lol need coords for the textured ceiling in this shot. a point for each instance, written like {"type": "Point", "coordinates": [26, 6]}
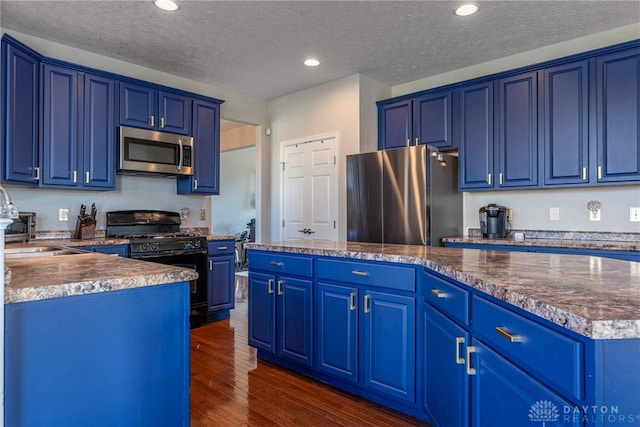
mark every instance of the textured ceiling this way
{"type": "Point", "coordinates": [257, 47]}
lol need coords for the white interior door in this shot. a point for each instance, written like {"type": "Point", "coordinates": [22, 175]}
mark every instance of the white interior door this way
{"type": "Point", "coordinates": [310, 190]}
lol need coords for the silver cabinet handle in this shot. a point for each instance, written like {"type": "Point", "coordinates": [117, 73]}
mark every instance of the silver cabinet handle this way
{"type": "Point", "coordinates": [359, 273]}
{"type": "Point", "coordinates": [417, 141]}
{"type": "Point", "coordinates": [152, 121]}
{"type": "Point", "coordinates": [210, 265]}
{"type": "Point", "coordinates": [408, 142]}
{"type": "Point", "coordinates": [270, 286]}
{"type": "Point", "coordinates": [502, 331]}
{"type": "Point", "coordinates": [367, 299]}
{"type": "Point", "coordinates": [195, 184]}
{"type": "Point", "coordinates": [599, 172]}
{"type": "Point", "coordinates": [459, 360]}
{"type": "Point", "coordinates": [280, 287]}
{"type": "Point", "coordinates": [352, 301]}
{"type": "Point", "coordinates": [87, 178]}
{"type": "Point", "coordinates": [276, 264]}
{"type": "Point", "coordinates": [75, 177]}
{"type": "Point", "coordinates": [222, 248]}
{"type": "Point", "coordinates": [500, 176]}
{"type": "Point", "coordinates": [162, 122]}
{"type": "Point", "coordinates": [584, 174]}
{"type": "Point", "coordinates": [470, 370]}
{"type": "Point", "coordinates": [37, 171]}
{"type": "Point", "coordinates": [438, 294]}
{"type": "Point", "coordinates": [489, 179]}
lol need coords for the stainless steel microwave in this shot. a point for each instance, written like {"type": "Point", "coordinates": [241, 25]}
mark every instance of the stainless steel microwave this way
{"type": "Point", "coordinates": [22, 228]}
{"type": "Point", "coordinates": [143, 151]}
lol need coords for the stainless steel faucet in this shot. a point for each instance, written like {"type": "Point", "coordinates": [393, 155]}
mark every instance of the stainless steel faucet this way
{"type": "Point", "coordinates": [7, 209]}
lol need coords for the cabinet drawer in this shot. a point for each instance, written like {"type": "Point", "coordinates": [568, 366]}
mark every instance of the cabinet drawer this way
{"type": "Point", "coordinates": [552, 357]}
{"type": "Point", "coordinates": [366, 273]}
{"type": "Point", "coordinates": [221, 247]}
{"type": "Point", "coordinates": [280, 263]}
{"type": "Point", "coordinates": [447, 297]}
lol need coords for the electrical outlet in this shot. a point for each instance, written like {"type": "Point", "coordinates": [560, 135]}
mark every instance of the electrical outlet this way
{"type": "Point", "coordinates": [509, 214]}
{"type": "Point", "coordinates": [554, 214]}
{"type": "Point", "coordinates": [203, 214]}
{"type": "Point", "coordinates": [63, 214]}
{"type": "Point", "coordinates": [594, 215]}
{"type": "Point", "coordinates": [634, 214]}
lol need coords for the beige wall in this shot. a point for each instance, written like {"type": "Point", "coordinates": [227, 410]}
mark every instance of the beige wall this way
{"type": "Point", "coordinates": [239, 137]}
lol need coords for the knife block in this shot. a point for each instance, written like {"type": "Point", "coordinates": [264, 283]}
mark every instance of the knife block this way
{"type": "Point", "coordinates": [85, 231]}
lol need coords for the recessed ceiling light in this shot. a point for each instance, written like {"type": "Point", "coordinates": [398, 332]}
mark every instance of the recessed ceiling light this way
{"type": "Point", "coordinates": [311, 62]}
{"type": "Point", "coordinates": [466, 9]}
{"type": "Point", "coordinates": [167, 5]}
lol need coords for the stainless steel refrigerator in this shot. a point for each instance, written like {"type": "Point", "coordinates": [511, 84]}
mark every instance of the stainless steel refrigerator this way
{"type": "Point", "coordinates": [405, 195]}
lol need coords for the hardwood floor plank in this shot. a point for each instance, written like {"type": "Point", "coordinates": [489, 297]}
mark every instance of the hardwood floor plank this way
{"type": "Point", "coordinates": [231, 387]}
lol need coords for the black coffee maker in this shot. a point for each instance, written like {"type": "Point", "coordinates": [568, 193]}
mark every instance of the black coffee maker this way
{"type": "Point", "coordinates": [493, 221]}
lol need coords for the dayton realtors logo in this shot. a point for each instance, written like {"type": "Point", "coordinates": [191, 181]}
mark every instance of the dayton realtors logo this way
{"type": "Point", "coordinates": [544, 411]}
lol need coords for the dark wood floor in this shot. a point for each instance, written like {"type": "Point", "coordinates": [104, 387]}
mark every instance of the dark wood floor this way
{"type": "Point", "coordinates": [230, 387]}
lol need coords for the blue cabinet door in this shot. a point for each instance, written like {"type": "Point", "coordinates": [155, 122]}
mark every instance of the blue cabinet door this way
{"type": "Point", "coordinates": [337, 331]}
{"type": "Point", "coordinates": [618, 117]}
{"type": "Point", "coordinates": [60, 111]}
{"type": "Point", "coordinates": [476, 137]}
{"type": "Point", "coordinates": [518, 130]}
{"type": "Point", "coordinates": [503, 395]}
{"type": "Point", "coordinates": [175, 113]}
{"type": "Point", "coordinates": [388, 355]}
{"type": "Point", "coordinates": [20, 94]}
{"type": "Point", "coordinates": [432, 120]}
{"type": "Point", "coordinates": [295, 320]}
{"type": "Point", "coordinates": [395, 125]}
{"type": "Point", "coordinates": [221, 284]}
{"type": "Point", "coordinates": [138, 106]}
{"type": "Point", "coordinates": [446, 382]}
{"type": "Point", "coordinates": [206, 140]}
{"type": "Point", "coordinates": [566, 121]}
{"type": "Point", "coordinates": [98, 146]}
{"type": "Point", "coordinates": [262, 326]}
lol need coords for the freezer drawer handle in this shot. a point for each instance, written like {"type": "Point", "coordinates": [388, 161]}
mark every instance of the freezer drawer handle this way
{"type": "Point", "coordinates": [360, 273]}
{"type": "Point", "coordinates": [502, 331]}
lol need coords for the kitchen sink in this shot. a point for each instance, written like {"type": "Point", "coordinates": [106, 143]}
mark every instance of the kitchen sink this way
{"type": "Point", "coordinates": [38, 251]}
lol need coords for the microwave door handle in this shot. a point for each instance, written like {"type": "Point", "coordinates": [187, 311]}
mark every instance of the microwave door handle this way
{"type": "Point", "coordinates": [180, 159]}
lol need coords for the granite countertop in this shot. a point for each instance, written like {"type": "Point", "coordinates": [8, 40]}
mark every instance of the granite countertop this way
{"type": "Point", "coordinates": [558, 239]}
{"type": "Point", "coordinates": [40, 278]}
{"type": "Point", "coordinates": [593, 296]}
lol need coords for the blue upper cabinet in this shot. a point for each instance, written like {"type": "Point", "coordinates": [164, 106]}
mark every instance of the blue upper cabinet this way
{"type": "Point", "coordinates": [425, 119]}
{"type": "Point", "coordinates": [566, 124]}
{"type": "Point", "coordinates": [206, 140]}
{"type": "Point", "coordinates": [60, 112]}
{"type": "Point", "coordinates": [618, 117]}
{"type": "Point", "coordinates": [476, 123]}
{"type": "Point", "coordinates": [78, 130]}
{"type": "Point", "coordinates": [20, 93]}
{"type": "Point", "coordinates": [98, 146]}
{"type": "Point", "coordinates": [517, 99]}
{"type": "Point", "coordinates": [395, 124]}
{"type": "Point", "coordinates": [148, 108]}
{"type": "Point", "coordinates": [432, 116]}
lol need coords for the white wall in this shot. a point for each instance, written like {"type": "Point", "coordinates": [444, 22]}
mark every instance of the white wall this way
{"type": "Point", "coordinates": [531, 208]}
{"type": "Point", "coordinates": [235, 206]}
{"type": "Point", "coordinates": [324, 109]}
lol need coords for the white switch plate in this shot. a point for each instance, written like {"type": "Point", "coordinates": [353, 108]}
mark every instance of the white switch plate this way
{"type": "Point", "coordinates": [634, 214]}
{"type": "Point", "coordinates": [594, 215]}
{"type": "Point", "coordinates": [554, 214]}
{"type": "Point", "coordinates": [63, 215]}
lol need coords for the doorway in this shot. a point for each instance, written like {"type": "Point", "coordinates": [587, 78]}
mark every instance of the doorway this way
{"type": "Point", "coordinates": [309, 186]}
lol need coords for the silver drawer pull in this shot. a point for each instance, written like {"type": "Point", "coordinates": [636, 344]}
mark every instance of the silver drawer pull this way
{"type": "Point", "coordinates": [438, 294]}
{"type": "Point", "coordinates": [459, 360]}
{"type": "Point", "coordinates": [352, 301]}
{"type": "Point", "coordinates": [359, 273]}
{"type": "Point", "coordinates": [222, 248]}
{"type": "Point", "coordinates": [276, 264]}
{"type": "Point", "coordinates": [470, 371]}
{"type": "Point", "coordinates": [502, 331]}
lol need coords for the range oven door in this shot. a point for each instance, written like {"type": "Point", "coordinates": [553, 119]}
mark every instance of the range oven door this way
{"type": "Point", "coordinates": [198, 293]}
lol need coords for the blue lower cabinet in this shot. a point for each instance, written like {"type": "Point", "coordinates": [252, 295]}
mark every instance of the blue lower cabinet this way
{"type": "Point", "coordinates": [503, 395]}
{"type": "Point", "coordinates": [446, 397]}
{"type": "Point", "coordinates": [389, 344]}
{"type": "Point", "coordinates": [220, 279]}
{"type": "Point", "coordinates": [337, 331]}
{"type": "Point", "coordinates": [294, 320]}
{"type": "Point", "coordinates": [118, 358]}
{"type": "Point", "coordinates": [262, 315]}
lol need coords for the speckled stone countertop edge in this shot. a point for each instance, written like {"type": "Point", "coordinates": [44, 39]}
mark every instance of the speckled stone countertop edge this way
{"type": "Point", "coordinates": [594, 329]}
{"type": "Point", "coordinates": [551, 243]}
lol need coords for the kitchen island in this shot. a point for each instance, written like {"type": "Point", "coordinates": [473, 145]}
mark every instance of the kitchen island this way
{"type": "Point", "coordinates": [486, 336]}
{"type": "Point", "coordinates": [93, 339]}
